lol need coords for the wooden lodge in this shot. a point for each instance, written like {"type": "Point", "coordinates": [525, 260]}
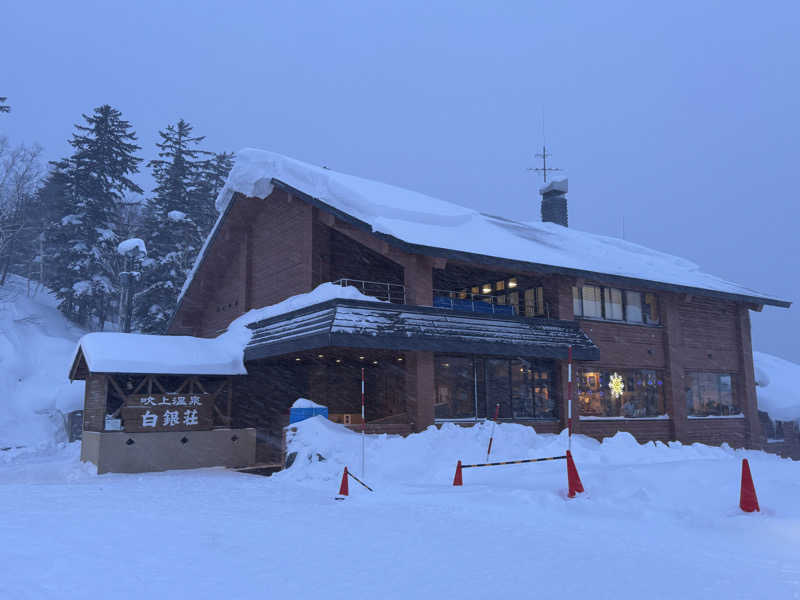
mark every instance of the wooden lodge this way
{"type": "Point", "coordinates": [476, 314]}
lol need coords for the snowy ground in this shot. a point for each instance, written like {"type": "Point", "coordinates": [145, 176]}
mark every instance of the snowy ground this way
{"type": "Point", "coordinates": [655, 522]}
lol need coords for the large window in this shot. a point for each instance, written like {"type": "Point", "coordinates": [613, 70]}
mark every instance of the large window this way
{"type": "Point", "coordinates": [613, 304]}
{"type": "Point", "coordinates": [711, 394]}
{"type": "Point", "coordinates": [630, 393]}
{"type": "Point", "coordinates": [519, 387]}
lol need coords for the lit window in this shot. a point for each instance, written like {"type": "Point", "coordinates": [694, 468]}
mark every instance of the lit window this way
{"type": "Point", "coordinates": [487, 288]}
{"type": "Point", "coordinates": [651, 316]}
{"type": "Point", "coordinates": [641, 393]}
{"type": "Point", "coordinates": [500, 286]}
{"type": "Point", "coordinates": [711, 394]}
{"type": "Point", "coordinates": [512, 283]}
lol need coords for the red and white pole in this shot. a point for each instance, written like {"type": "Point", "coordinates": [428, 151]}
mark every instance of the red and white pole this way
{"type": "Point", "coordinates": [569, 397]}
{"type": "Point", "coordinates": [363, 424]}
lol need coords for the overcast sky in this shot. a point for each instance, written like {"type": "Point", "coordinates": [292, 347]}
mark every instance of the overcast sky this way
{"type": "Point", "coordinates": [683, 118]}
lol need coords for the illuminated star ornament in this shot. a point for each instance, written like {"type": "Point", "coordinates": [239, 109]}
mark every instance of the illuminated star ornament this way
{"type": "Point", "coordinates": [616, 385]}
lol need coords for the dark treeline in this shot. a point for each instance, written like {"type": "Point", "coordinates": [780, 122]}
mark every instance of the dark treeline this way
{"type": "Point", "coordinates": [76, 225]}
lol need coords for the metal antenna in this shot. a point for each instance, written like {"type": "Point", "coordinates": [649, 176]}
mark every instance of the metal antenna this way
{"type": "Point", "coordinates": [544, 155]}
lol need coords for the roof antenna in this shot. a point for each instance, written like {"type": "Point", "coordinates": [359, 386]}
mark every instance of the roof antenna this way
{"type": "Point", "coordinates": [544, 155]}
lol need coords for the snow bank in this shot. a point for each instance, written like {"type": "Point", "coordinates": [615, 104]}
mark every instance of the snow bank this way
{"type": "Point", "coordinates": [776, 386]}
{"type": "Point", "coordinates": [36, 349]}
{"type": "Point", "coordinates": [421, 219]}
{"type": "Point", "coordinates": [429, 457]}
{"type": "Point", "coordinates": [111, 352]}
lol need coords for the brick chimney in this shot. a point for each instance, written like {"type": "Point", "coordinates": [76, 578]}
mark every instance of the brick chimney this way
{"type": "Point", "coordinates": [554, 202]}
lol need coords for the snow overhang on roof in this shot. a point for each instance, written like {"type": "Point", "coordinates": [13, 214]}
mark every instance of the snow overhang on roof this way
{"type": "Point", "coordinates": [424, 225]}
{"type": "Point", "coordinates": [359, 324]}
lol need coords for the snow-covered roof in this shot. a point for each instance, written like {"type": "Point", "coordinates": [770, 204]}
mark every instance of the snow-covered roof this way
{"type": "Point", "coordinates": [111, 352]}
{"type": "Point", "coordinates": [418, 219]}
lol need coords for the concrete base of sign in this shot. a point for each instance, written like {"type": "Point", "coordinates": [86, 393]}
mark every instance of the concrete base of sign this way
{"type": "Point", "coordinates": [121, 452]}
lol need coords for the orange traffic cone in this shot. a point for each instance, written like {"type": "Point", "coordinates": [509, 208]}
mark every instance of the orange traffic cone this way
{"type": "Point", "coordinates": [457, 479]}
{"type": "Point", "coordinates": [344, 489]}
{"type": "Point", "coordinates": [748, 501]}
{"type": "Point", "coordinates": [573, 479]}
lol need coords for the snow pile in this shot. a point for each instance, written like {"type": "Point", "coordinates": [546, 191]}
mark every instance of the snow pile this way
{"type": "Point", "coordinates": [777, 386]}
{"type": "Point", "coordinates": [111, 352]}
{"type": "Point", "coordinates": [420, 219]}
{"type": "Point", "coordinates": [36, 348]}
{"type": "Point", "coordinates": [131, 244]}
{"type": "Point", "coordinates": [430, 457]}
{"type": "Point", "coordinates": [306, 403]}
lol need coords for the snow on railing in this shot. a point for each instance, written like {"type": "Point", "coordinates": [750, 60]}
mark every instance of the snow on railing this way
{"type": "Point", "coordinates": [389, 292]}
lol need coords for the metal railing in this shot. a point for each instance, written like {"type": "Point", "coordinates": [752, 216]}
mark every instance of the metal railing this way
{"type": "Point", "coordinates": [389, 292]}
{"type": "Point", "coordinates": [485, 303]}
{"type": "Point", "coordinates": [469, 302]}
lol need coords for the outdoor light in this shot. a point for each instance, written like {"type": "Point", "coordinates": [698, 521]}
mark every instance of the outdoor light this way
{"type": "Point", "coordinates": [374, 362]}
{"type": "Point", "coordinates": [338, 360]}
{"type": "Point", "coordinates": [512, 283]}
{"type": "Point", "coordinates": [320, 356]}
{"type": "Point", "coordinates": [487, 288]}
{"type": "Point", "coordinates": [298, 359]}
{"type": "Point", "coordinates": [360, 358]}
{"type": "Point", "coordinates": [399, 359]}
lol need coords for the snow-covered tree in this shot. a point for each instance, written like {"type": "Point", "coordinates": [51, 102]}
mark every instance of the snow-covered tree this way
{"type": "Point", "coordinates": [93, 180]}
{"type": "Point", "coordinates": [20, 215]}
{"type": "Point", "coordinates": [213, 174]}
{"type": "Point", "coordinates": [3, 106]}
{"type": "Point", "coordinates": [171, 224]}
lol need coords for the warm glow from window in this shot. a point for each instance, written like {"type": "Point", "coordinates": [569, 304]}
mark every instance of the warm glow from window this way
{"type": "Point", "coordinates": [512, 283]}
{"type": "Point", "coordinates": [487, 288]}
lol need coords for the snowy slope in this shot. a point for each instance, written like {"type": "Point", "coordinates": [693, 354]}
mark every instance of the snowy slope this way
{"type": "Point", "coordinates": [36, 348]}
{"type": "Point", "coordinates": [776, 386]}
{"type": "Point", "coordinates": [655, 522]}
{"type": "Point", "coordinates": [420, 219]}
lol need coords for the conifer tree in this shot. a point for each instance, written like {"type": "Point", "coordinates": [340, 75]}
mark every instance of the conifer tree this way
{"type": "Point", "coordinates": [171, 227]}
{"type": "Point", "coordinates": [3, 106]}
{"type": "Point", "coordinates": [93, 180]}
{"type": "Point", "coordinates": [214, 172]}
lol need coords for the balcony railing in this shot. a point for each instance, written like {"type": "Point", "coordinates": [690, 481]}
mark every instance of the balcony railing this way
{"type": "Point", "coordinates": [389, 292]}
{"type": "Point", "coordinates": [468, 302]}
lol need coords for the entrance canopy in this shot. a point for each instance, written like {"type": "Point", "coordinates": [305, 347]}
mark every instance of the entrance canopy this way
{"type": "Point", "coordinates": [362, 324]}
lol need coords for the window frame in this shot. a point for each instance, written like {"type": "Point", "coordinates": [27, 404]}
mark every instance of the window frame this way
{"type": "Point", "coordinates": [735, 404]}
{"type": "Point", "coordinates": [578, 305]}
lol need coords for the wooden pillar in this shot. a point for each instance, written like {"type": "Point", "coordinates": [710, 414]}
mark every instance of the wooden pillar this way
{"type": "Point", "coordinates": [94, 402]}
{"type": "Point", "coordinates": [746, 382]}
{"type": "Point", "coordinates": [420, 389]}
{"type": "Point", "coordinates": [675, 381]}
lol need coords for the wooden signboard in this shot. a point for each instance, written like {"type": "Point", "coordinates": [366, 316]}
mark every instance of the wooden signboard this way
{"type": "Point", "coordinates": [168, 412]}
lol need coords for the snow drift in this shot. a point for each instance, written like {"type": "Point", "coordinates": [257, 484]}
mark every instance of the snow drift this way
{"type": "Point", "coordinates": [36, 348]}
{"type": "Point", "coordinates": [776, 386]}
